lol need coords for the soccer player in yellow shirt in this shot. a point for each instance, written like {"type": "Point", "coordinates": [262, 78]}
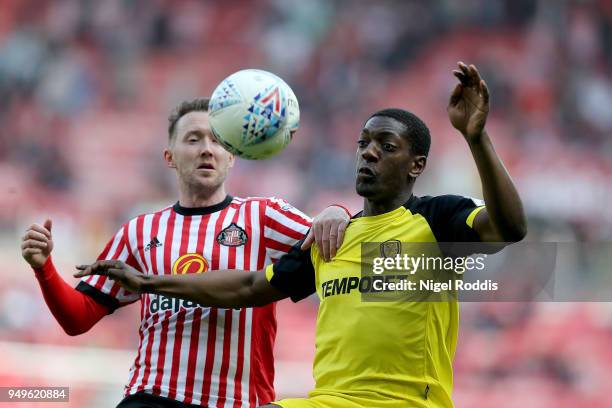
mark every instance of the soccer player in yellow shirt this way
{"type": "Point", "coordinates": [375, 354]}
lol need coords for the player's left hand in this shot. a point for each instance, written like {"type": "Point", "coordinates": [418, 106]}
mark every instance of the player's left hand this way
{"type": "Point", "coordinates": [468, 107]}
{"type": "Point", "coordinates": [327, 231]}
{"type": "Point", "coordinates": [126, 276]}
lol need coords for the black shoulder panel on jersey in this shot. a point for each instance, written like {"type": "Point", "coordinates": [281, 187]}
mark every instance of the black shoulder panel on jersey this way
{"type": "Point", "coordinates": [294, 274]}
{"type": "Point", "coordinates": [446, 216]}
{"type": "Point", "coordinates": [99, 296]}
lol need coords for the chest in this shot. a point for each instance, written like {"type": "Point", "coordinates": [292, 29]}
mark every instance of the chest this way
{"type": "Point", "coordinates": [195, 244]}
{"type": "Point", "coordinates": [350, 273]}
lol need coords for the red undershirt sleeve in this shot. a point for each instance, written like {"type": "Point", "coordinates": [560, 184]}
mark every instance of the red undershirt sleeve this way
{"type": "Point", "coordinates": [75, 311]}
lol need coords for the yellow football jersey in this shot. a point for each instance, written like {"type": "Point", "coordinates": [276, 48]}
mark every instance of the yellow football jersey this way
{"type": "Point", "coordinates": [379, 353]}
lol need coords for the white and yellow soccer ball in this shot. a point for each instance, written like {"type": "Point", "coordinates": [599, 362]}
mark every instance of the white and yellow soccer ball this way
{"type": "Point", "coordinates": [253, 114]}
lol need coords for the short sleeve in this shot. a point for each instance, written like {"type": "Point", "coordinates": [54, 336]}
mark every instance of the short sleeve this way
{"type": "Point", "coordinates": [106, 291]}
{"type": "Point", "coordinates": [293, 274]}
{"type": "Point", "coordinates": [451, 217]}
{"type": "Point", "coordinates": [284, 226]}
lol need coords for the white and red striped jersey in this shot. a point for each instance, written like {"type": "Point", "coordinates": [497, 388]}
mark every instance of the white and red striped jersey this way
{"type": "Point", "coordinates": [202, 355]}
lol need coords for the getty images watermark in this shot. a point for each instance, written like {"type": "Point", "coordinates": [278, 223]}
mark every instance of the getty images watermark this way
{"type": "Point", "coordinates": [396, 271]}
{"type": "Point", "coordinates": [405, 267]}
{"type": "Point", "coordinates": [476, 272]}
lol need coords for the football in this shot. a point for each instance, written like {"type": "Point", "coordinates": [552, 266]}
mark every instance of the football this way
{"type": "Point", "coordinates": [254, 113]}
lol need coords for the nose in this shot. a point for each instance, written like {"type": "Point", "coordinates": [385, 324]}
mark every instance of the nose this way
{"type": "Point", "coordinates": [206, 146]}
{"type": "Point", "coordinates": [370, 154]}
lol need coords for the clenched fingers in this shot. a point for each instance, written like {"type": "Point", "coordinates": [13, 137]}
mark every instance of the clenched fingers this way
{"type": "Point", "coordinates": [35, 235]}
{"type": "Point", "coordinates": [32, 243]}
{"type": "Point", "coordinates": [40, 229]}
{"type": "Point", "coordinates": [31, 251]}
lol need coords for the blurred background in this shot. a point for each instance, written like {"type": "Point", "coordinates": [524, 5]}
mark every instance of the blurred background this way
{"type": "Point", "coordinates": [86, 87]}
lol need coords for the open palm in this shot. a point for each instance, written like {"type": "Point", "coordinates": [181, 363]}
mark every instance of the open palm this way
{"type": "Point", "coordinates": [468, 107]}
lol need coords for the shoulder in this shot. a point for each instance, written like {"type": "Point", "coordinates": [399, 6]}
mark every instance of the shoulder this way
{"type": "Point", "coordinates": [449, 216]}
{"type": "Point", "coordinates": [270, 201]}
{"type": "Point", "coordinates": [262, 202]}
{"type": "Point", "coordinates": [259, 200]}
{"type": "Point", "coordinates": [273, 208]}
{"type": "Point", "coordinates": [273, 203]}
{"type": "Point", "coordinates": [270, 206]}
{"type": "Point", "coordinates": [442, 204]}
{"type": "Point", "coordinates": [147, 217]}
{"type": "Point", "coordinates": [151, 214]}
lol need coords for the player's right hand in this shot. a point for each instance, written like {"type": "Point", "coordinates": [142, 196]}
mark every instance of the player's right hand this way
{"type": "Point", "coordinates": [37, 244]}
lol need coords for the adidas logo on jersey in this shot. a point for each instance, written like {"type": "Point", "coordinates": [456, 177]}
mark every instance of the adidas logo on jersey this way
{"type": "Point", "coordinates": [153, 244]}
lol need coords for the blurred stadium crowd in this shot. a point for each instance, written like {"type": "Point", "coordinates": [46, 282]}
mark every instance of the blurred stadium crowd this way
{"type": "Point", "coordinates": [86, 87]}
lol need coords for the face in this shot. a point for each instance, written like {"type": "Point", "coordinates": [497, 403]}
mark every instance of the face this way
{"type": "Point", "coordinates": [200, 161]}
{"type": "Point", "coordinates": [385, 163]}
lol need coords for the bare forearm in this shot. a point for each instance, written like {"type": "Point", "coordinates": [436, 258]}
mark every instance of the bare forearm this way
{"type": "Point", "coordinates": [226, 288]}
{"type": "Point", "coordinates": [503, 202]}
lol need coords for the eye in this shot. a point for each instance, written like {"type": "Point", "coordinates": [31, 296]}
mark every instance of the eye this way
{"type": "Point", "coordinates": [389, 147]}
{"type": "Point", "coordinates": [362, 144]}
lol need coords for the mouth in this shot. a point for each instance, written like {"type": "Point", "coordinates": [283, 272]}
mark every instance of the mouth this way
{"type": "Point", "coordinates": [206, 166]}
{"type": "Point", "coordinates": [366, 171]}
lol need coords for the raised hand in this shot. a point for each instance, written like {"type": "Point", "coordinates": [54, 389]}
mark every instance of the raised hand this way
{"type": "Point", "coordinates": [468, 107]}
{"type": "Point", "coordinates": [37, 244]}
{"type": "Point", "coordinates": [126, 276]}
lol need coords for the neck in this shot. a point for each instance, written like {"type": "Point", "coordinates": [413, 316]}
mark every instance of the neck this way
{"type": "Point", "coordinates": [376, 207]}
{"type": "Point", "coordinates": [192, 198]}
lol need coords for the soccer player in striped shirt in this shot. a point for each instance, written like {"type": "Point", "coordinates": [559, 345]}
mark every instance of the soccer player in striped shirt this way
{"type": "Point", "coordinates": [190, 355]}
{"type": "Point", "coordinates": [384, 354]}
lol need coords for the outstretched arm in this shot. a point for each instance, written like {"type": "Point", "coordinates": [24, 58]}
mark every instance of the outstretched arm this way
{"type": "Point", "coordinates": [503, 220]}
{"type": "Point", "coordinates": [225, 288]}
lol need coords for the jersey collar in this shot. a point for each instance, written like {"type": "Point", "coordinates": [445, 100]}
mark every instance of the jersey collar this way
{"type": "Point", "coordinates": [179, 209]}
{"type": "Point", "coordinates": [407, 204]}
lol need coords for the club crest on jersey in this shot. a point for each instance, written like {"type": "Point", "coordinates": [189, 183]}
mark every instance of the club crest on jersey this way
{"type": "Point", "coordinates": [232, 236]}
{"type": "Point", "coordinates": [390, 248]}
{"type": "Point", "coordinates": [190, 263]}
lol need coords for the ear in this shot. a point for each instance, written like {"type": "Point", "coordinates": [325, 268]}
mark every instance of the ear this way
{"type": "Point", "coordinates": [417, 166]}
{"type": "Point", "coordinates": [231, 160]}
{"type": "Point", "coordinates": [169, 158]}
